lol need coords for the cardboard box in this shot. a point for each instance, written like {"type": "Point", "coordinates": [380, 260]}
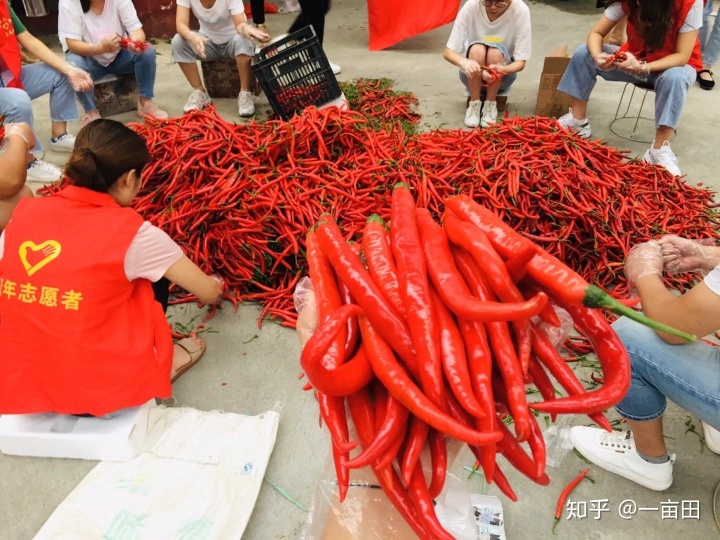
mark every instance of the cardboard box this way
{"type": "Point", "coordinates": [550, 101]}
{"type": "Point", "coordinates": [115, 437]}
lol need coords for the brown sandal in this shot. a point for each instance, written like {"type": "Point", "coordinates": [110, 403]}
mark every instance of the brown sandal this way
{"type": "Point", "coordinates": [194, 349]}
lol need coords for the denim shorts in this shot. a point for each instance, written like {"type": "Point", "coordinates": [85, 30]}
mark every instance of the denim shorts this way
{"type": "Point", "coordinates": [507, 79]}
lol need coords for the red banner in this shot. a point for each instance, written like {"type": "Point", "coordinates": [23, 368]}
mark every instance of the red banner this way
{"type": "Point", "coordinates": [391, 21]}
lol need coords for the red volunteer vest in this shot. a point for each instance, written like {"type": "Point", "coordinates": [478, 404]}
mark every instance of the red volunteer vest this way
{"type": "Point", "coordinates": [9, 48]}
{"type": "Point", "coordinates": [636, 45]}
{"type": "Point", "coordinates": [77, 336]}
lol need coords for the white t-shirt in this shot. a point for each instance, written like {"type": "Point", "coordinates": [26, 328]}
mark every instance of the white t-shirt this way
{"type": "Point", "coordinates": [216, 23]}
{"type": "Point", "coordinates": [512, 29]}
{"type": "Point", "coordinates": [149, 255]}
{"type": "Point", "coordinates": [118, 17]}
{"type": "Point", "coordinates": [712, 280]}
{"type": "Point", "coordinates": [693, 20]}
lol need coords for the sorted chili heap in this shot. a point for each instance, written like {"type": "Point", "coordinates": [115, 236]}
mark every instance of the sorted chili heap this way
{"type": "Point", "coordinates": [240, 198]}
{"type": "Point", "coordinates": [426, 333]}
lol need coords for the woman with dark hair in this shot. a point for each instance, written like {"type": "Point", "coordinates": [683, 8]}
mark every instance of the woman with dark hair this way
{"type": "Point", "coordinates": [90, 33]}
{"type": "Point", "coordinates": [81, 328]}
{"type": "Point", "coordinates": [662, 50]}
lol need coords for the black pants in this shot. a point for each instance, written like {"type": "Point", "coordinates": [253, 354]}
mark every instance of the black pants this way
{"type": "Point", "coordinates": [257, 9]}
{"type": "Point", "coordinates": [313, 12]}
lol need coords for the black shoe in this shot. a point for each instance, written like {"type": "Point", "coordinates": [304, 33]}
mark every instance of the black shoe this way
{"type": "Point", "coordinates": [704, 83]}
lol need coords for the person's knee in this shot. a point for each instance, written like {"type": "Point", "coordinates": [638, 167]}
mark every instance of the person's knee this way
{"type": "Point", "coordinates": [495, 56]}
{"type": "Point", "coordinates": [242, 47]}
{"type": "Point", "coordinates": [17, 106]}
{"type": "Point", "coordinates": [477, 52]}
{"type": "Point", "coordinates": [148, 55]}
{"type": "Point", "coordinates": [673, 79]}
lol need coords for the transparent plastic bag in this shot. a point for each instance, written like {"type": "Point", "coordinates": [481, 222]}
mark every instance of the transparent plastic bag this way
{"type": "Point", "coordinates": [558, 441]}
{"type": "Point", "coordinates": [306, 306]}
{"type": "Point", "coordinates": [557, 334]}
{"type": "Point", "coordinates": [290, 6]}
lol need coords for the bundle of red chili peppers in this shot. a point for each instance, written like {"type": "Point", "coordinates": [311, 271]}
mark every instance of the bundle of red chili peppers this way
{"type": "Point", "coordinates": [240, 198]}
{"type": "Point", "coordinates": [435, 339]}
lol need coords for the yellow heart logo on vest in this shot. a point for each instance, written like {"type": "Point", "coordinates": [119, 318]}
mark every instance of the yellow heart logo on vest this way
{"type": "Point", "coordinates": [50, 249]}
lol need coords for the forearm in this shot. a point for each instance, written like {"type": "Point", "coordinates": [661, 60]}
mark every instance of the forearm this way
{"type": "Point", "coordinates": [595, 44]}
{"type": "Point", "coordinates": [657, 303]}
{"type": "Point", "coordinates": [184, 30]}
{"type": "Point", "coordinates": [242, 27]}
{"type": "Point", "coordinates": [667, 62]}
{"type": "Point", "coordinates": [452, 57]}
{"type": "Point", "coordinates": [13, 163]}
{"type": "Point", "coordinates": [711, 258]}
{"type": "Point", "coordinates": [84, 49]}
{"type": "Point", "coordinates": [514, 67]}
{"type": "Point", "coordinates": [138, 35]}
{"type": "Point", "coordinates": [45, 55]}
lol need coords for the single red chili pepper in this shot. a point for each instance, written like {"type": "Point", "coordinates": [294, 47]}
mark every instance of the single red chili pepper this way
{"type": "Point", "coordinates": [380, 261]}
{"type": "Point", "coordinates": [414, 443]}
{"type": "Point", "coordinates": [407, 250]}
{"type": "Point", "coordinates": [424, 505]}
{"type": "Point", "coordinates": [399, 384]}
{"type": "Point", "coordinates": [449, 283]}
{"type": "Point", "coordinates": [332, 411]}
{"type": "Point", "coordinates": [546, 270]}
{"type": "Point", "coordinates": [439, 461]}
{"type": "Point", "coordinates": [564, 495]}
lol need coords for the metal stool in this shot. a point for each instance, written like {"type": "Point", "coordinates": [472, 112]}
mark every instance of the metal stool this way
{"type": "Point", "coordinates": [616, 126]}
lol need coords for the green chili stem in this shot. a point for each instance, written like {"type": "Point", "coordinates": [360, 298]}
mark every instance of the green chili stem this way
{"type": "Point", "coordinates": [596, 298]}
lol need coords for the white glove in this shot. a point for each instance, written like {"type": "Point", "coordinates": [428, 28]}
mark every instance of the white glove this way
{"type": "Point", "coordinates": [307, 308]}
{"type": "Point", "coordinates": [632, 66]}
{"type": "Point", "coordinates": [643, 260]}
{"type": "Point", "coordinates": [469, 67]}
{"type": "Point", "coordinates": [685, 255]}
{"type": "Point", "coordinates": [604, 62]}
{"type": "Point", "coordinates": [22, 130]}
{"type": "Point", "coordinates": [197, 42]}
{"type": "Point", "coordinates": [79, 79]}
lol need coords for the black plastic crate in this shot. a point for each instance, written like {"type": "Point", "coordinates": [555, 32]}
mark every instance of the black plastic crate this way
{"type": "Point", "coordinates": [295, 73]}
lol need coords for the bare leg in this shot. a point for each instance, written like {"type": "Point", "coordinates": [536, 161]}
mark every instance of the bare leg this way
{"type": "Point", "coordinates": [494, 56]}
{"type": "Point", "coordinates": [477, 52]}
{"type": "Point", "coordinates": [662, 134]}
{"type": "Point", "coordinates": [245, 71]}
{"type": "Point", "coordinates": [192, 74]}
{"type": "Point", "coordinates": [648, 436]}
{"type": "Point", "coordinates": [181, 357]}
{"type": "Point", "coordinates": [58, 128]}
{"type": "Point", "coordinates": [579, 108]}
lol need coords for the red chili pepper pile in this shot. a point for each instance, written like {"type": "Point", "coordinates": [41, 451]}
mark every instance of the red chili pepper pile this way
{"type": "Point", "coordinates": [240, 198]}
{"type": "Point", "coordinates": [434, 339]}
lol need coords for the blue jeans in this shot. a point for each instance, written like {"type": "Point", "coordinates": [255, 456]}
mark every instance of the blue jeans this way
{"type": "Point", "coordinates": [142, 65]}
{"type": "Point", "coordinates": [688, 375]}
{"type": "Point", "coordinates": [39, 79]}
{"type": "Point", "coordinates": [671, 86]}
{"type": "Point", "coordinates": [507, 80]}
{"type": "Point", "coordinates": [710, 39]}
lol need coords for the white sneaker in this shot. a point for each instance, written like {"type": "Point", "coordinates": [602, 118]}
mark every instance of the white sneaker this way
{"type": "Point", "coordinates": [335, 68]}
{"type": "Point", "coordinates": [246, 103]}
{"type": "Point", "coordinates": [615, 452]}
{"type": "Point", "coordinates": [581, 127]}
{"type": "Point", "coordinates": [664, 157]}
{"type": "Point", "coordinates": [64, 143]}
{"type": "Point", "coordinates": [197, 100]}
{"type": "Point", "coordinates": [489, 114]}
{"type": "Point", "coordinates": [472, 115]}
{"type": "Point", "coordinates": [712, 438]}
{"type": "Point", "coordinates": [42, 171]}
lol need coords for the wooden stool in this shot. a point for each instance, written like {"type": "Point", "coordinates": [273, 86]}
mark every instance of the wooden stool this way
{"type": "Point", "coordinates": [221, 78]}
{"type": "Point", "coordinates": [115, 94]}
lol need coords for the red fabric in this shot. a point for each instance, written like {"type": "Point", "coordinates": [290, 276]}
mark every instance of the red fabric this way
{"type": "Point", "coordinates": [110, 349]}
{"type": "Point", "coordinates": [636, 46]}
{"type": "Point", "coordinates": [391, 21]}
{"type": "Point", "coordinates": [9, 47]}
{"type": "Point", "coordinates": [269, 8]}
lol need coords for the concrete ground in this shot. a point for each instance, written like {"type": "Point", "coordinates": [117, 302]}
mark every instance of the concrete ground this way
{"type": "Point", "coordinates": [248, 371]}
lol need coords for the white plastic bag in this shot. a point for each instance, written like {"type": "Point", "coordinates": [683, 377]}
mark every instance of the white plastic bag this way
{"type": "Point", "coordinates": [290, 6]}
